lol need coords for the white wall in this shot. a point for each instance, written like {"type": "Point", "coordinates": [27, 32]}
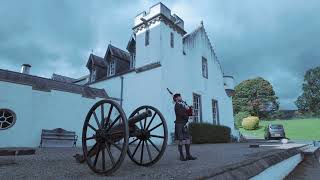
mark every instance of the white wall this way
{"type": "Point", "coordinates": [211, 88]}
{"type": "Point", "coordinates": [178, 72]}
{"type": "Point", "coordinates": [37, 110]}
{"type": "Point", "coordinates": [152, 52]}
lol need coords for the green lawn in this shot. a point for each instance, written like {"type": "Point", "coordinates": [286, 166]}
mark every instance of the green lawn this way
{"type": "Point", "coordinates": [297, 129]}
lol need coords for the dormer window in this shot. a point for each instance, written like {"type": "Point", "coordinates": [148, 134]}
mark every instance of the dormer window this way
{"type": "Point", "coordinates": [147, 37]}
{"type": "Point", "coordinates": [112, 68]}
{"type": "Point", "coordinates": [204, 68]}
{"type": "Point", "coordinates": [172, 40]}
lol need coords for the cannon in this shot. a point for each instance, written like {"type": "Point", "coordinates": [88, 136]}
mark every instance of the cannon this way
{"type": "Point", "coordinates": [108, 136]}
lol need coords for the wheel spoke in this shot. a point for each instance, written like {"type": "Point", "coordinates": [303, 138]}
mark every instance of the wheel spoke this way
{"type": "Point", "coordinates": [115, 145]}
{"type": "Point", "coordinates": [134, 152]}
{"type": "Point", "coordinates": [133, 141]}
{"type": "Point", "coordinates": [96, 118]}
{"type": "Point", "coordinates": [102, 115]}
{"type": "Point", "coordinates": [91, 150]}
{"type": "Point", "coordinates": [141, 156]}
{"type": "Point", "coordinates": [155, 127]}
{"type": "Point", "coordinates": [154, 145]}
{"type": "Point", "coordinates": [145, 121]}
{"type": "Point", "coordinates": [148, 149]}
{"type": "Point", "coordinates": [154, 115]}
{"type": "Point", "coordinates": [110, 154]}
{"type": "Point", "coordinates": [93, 128]}
{"type": "Point", "coordinates": [114, 122]}
{"type": "Point", "coordinates": [140, 125]}
{"type": "Point", "coordinates": [92, 137]}
{"type": "Point", "coordinates": [103, 160]}
{"type": "Point", "coordinates": [97, 156]}
{"type": "Point", "coordinates": [109, 114]}
{"type": "Point", "coordinates": [157, 136]}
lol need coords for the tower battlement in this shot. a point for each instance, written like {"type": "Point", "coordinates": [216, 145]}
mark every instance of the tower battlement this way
{"type": "Point", "coordinates": [157, 10]}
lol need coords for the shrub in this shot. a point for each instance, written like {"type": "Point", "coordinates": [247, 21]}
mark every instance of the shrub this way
{"type": "Point", "coordinates": [209, 133]}
{"type": "Point", "coordinates": [275, 115]}
{"type": "Point", "coordinates": [250, 123]}
{"type": "Point", "coordinates": [239, 117]}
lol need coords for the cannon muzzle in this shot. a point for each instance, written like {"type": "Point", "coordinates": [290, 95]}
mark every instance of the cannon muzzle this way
{"type": "Point", "coordinates": [139, 117]}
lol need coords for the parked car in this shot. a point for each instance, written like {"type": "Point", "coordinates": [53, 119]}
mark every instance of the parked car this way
{"type": "Point", "coordinates": [274, 131]}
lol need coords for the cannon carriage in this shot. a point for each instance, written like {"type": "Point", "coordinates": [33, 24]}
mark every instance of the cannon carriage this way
{"type": "Point", "coordinates": [108, 136]}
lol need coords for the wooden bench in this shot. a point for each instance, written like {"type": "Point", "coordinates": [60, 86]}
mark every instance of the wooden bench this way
{"type": "Point", "coordinates": [58, 134]}
{"type": "Point", "coordinates": [16, 151]}
{"type": "Point", "coordinates": [13, 152]}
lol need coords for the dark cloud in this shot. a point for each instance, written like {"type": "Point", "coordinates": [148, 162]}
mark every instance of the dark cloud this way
{"type": "Point", "coordinates": [277, 40]}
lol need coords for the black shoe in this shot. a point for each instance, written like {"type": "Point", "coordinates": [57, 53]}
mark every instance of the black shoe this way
{"type": "Point", "coordinates": [182, 158]}
{"type": "Point", "coordinates": [191, 158]}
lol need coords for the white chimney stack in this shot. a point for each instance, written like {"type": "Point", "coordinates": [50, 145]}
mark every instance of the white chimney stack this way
{"type": "Point", "coordinates": [25, 68]}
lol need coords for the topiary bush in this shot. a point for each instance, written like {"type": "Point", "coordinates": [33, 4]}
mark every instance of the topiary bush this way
{"type": "Point", "coordinates": [250, 123]}
{"type": "Point", "coordinates": [239, 117]}
{"type": "Point", "coordinates": [209, 133]}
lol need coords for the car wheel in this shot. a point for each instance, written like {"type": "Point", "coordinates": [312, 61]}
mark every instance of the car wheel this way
{"type": "Point", "coordinates": [268, 136]}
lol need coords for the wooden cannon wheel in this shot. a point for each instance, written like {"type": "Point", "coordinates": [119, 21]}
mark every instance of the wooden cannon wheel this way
{"type": "Point", "coordinates": [149, 135]}
{"type": "Point", "coordinates": [105, 137]}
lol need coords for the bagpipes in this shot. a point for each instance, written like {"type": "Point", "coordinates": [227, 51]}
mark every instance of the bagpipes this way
{"type": "Point", "coordinates": [189, 109]}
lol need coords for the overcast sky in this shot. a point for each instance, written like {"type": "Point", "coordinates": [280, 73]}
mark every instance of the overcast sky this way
{"type": "Point", "coordinates": [277, 40]}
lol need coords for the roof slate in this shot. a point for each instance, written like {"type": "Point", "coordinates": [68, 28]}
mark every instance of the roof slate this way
{"type": "Point", "coordinates": [45, 84]}
{"type": "Point", "coordinates": [96, 60]}
{"type": "Point", "coordinates": [62, 78]}
{"type": "Point", "coordinates": [118, 53]}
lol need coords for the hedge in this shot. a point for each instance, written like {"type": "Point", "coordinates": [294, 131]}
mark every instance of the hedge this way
{"type": "Point", "coordinates": [209, 133]}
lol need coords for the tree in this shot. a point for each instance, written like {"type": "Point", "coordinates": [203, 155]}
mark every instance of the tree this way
{"type": "Point", "coordinates": [255, 96]}
{"type": "Point", "coordinates": [309, 101]}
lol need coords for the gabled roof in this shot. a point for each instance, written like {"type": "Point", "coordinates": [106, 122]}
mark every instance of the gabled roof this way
{"type": "Point", "coordinates": [96, 60]}
{"type": "Point", "coordinates": [190, 37]}
{"type": "Point", "coordinates": [131, 46]}
{"type": "Point", "coordinates": [121, 54]}
{"type": "Point", "coordinates": [62, 78]}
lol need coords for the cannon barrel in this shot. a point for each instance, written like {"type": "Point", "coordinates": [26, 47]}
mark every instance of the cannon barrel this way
{"type": "Point", "coordinates": [139, 117]}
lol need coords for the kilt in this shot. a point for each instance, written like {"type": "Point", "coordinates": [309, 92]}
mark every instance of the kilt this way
{"type": "Point", "coordinates": [181, 134]}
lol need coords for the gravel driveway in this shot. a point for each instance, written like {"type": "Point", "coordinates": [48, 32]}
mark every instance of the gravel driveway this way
{"type": "Point", "coordinates": [58, 163]}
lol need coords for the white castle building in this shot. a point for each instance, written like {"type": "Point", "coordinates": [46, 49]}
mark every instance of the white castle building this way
{"type": "Point", "coordinates": [160, 55]}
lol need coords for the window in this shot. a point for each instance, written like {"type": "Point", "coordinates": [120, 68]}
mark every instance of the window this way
{"type": "Point", "coordinates": [215, 112]}
{"type": "Point", "coordinates": [172, 40]}
{"type": "Point", "coordinates": [93, 75]}
{"type": "Point", "coordinates": [112, 68]}
{"type": "Point", "coordinates": [133, 61]}
{"type": "Point", "coordinates": [204, 67]}
{"type": "Point", "coordinates": [197, 113]}
{"type": "Point", "coordinates": [7, 118]}
{"type": "Point", "coordinates": [147, 37]}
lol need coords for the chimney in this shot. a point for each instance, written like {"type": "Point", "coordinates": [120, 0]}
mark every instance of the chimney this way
{"type": "Point", "coordinates": [25, 68]}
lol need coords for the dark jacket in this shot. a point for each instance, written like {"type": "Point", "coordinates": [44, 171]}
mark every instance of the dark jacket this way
{"type": "Point", "coordinates": [181, 113]}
